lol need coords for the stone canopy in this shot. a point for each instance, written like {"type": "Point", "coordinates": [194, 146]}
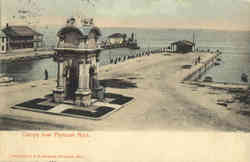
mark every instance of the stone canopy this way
{"type": "Point", "coordinates": [77, 55]}
{"type": "Point", "coordinates": [83, 32]}
{"type": "Point", "coordinates": [84, 37]}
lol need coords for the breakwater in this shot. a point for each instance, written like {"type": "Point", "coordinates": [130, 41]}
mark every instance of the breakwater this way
{"type": "Point", "coordinates": [200, 69]}
{"type": "Point", "coordinates": [25, 67]}
{"type": "Point", "coordinates": [118, 59]}
{"type": "Point", "coordinates": [37, 55]}
{"type": "Point", "coordinates": [25, 56]}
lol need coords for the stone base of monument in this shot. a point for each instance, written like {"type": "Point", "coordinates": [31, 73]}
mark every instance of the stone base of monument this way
{"type": "Point", "coordinates": [83, 98]}
{"type": "Point", "coordinates": [58, 95]}
{"type": "Point", "coordinates": [96, 111]}
{"type": "Point", "coordinates": [99, 93]}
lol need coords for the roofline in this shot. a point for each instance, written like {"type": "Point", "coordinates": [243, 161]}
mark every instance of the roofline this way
{"type": "Point", "coordinates": [184, 41]}
{"type": "Point", "coordinates": [10, 26]}
{"type": "Point", "coordinates": [70, 27]}
{"type": "Point", "coordinates": [83, 36]}
{"type": "Point", "coordinates": [114, 35]}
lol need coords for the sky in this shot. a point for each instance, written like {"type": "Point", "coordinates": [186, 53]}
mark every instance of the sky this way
{"type": "Point", "coordinates": [194, 14]}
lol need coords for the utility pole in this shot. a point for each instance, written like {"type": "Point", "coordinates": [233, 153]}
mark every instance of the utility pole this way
{"type": "Point", "coordinates": [194, 41]}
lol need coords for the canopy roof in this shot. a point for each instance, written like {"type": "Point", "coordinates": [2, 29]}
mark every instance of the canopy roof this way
{"type": "Point", "coordinates": [83, 32]}
{"type": "Point", "coordinates": [183, 42]}
{"type": "Point", "coordinates": [117, 35]}
{"type": "Point", "coordinates": [20, 31]}
{"type": "Point", "coordinates": [89, 29]}
{"type": "Point", "coordinates": [67, 29]}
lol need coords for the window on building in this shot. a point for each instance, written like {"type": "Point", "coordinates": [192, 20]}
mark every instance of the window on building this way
{"type": "Point", "coordinates": [2, 48]}
{"type": "Point", "coordinates": [3, 39]}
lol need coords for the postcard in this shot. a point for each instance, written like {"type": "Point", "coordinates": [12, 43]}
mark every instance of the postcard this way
{"type": "Point", "coordinates": [124, 81]}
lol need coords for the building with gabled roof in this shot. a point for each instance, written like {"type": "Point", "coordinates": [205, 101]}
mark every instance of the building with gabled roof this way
{"type": "Point", "coordinates": [182, 46]}
{"type": "Point", "coordinates": [117, 35]}
{"type": "Point", "coordinates": [20, 31]}
{"type": "Point", "coordinates": [20, 37]}
{"type": "Point", "coordinates": [117, 39]}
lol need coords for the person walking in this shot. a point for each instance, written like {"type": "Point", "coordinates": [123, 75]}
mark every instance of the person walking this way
{"type": "Point", "coordinates": [46, 74]}
{"type": "Point", "coordinates": [199, 59]}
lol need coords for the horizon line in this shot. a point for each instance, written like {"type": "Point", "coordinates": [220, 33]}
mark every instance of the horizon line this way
{"type": "Point", "coordinates": [144, 27]}
{"type": "Point", "coordinates": [169, 28]}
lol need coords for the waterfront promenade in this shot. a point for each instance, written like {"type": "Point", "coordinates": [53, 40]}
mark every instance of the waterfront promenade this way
{"type": "Point", "coordinates": [26, 55]}
{"type": "Point", "coordinates": [162, 101]}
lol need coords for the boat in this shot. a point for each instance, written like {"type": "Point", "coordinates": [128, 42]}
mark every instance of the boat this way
{"type": "Point", "coordinates": [218, 59]}
{"type": "Point", "coordinates": [208, 79]}
{"type": "Point", "coordinates": [5, 79]}
{"type": "Point", "coordinates": [186, 66]}
{"type": "Point", "coordinates": [132, 42]}
{"type": "Point", "coordinates": [133, 45]}
{"type": "Point", "coordinates": [244, 77]}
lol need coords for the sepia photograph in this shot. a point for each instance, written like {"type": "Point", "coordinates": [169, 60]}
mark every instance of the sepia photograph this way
{"type": "Point", "coordinates": [175, 72]}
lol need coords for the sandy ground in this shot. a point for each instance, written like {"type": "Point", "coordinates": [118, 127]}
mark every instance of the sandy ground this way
{"type": "Point", "coordinates": [161, 102]}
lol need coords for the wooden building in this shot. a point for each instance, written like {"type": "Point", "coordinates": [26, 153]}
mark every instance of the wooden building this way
{"type": "Point", "coordinates": [117, 39]}
{"type": "Point", "coordinates": [20, 37]}
{"type": "Point", "coordinates": [3, 42]}
{"type": "Point", "coordinates": [182, 46]}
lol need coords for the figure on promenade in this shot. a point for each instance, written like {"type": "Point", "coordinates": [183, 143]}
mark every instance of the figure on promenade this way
{"type": "Point", "coordinates": [46, 74]}
{"type": "Point", "coordinates": [199, 59]}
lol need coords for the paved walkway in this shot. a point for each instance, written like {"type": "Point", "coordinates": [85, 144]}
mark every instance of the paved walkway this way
{"type": "Point", "coordinates": [161, 101]}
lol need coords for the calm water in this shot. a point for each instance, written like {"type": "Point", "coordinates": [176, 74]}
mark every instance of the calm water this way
{"type": "Point", "coordinates": [234, 45]}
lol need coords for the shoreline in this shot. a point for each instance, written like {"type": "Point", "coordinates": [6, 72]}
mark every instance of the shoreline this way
{"type": "Point", "coordinates": [26, 55]}
{"type": "Point", "coordinates": [158, 79]}
{"type": "Point", "coordinates": [201, 68]}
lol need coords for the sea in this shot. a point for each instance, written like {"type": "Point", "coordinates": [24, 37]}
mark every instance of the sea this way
{"type": "Point", "coordinates": [234, 45]}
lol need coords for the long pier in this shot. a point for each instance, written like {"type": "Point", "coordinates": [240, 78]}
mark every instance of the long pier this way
{"type": "Point", "coordinates": [202, 68]}
{"type": "Point", "coordinates": [41, 54]}
{"type": "Point", "coordinates": [26, 55]}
